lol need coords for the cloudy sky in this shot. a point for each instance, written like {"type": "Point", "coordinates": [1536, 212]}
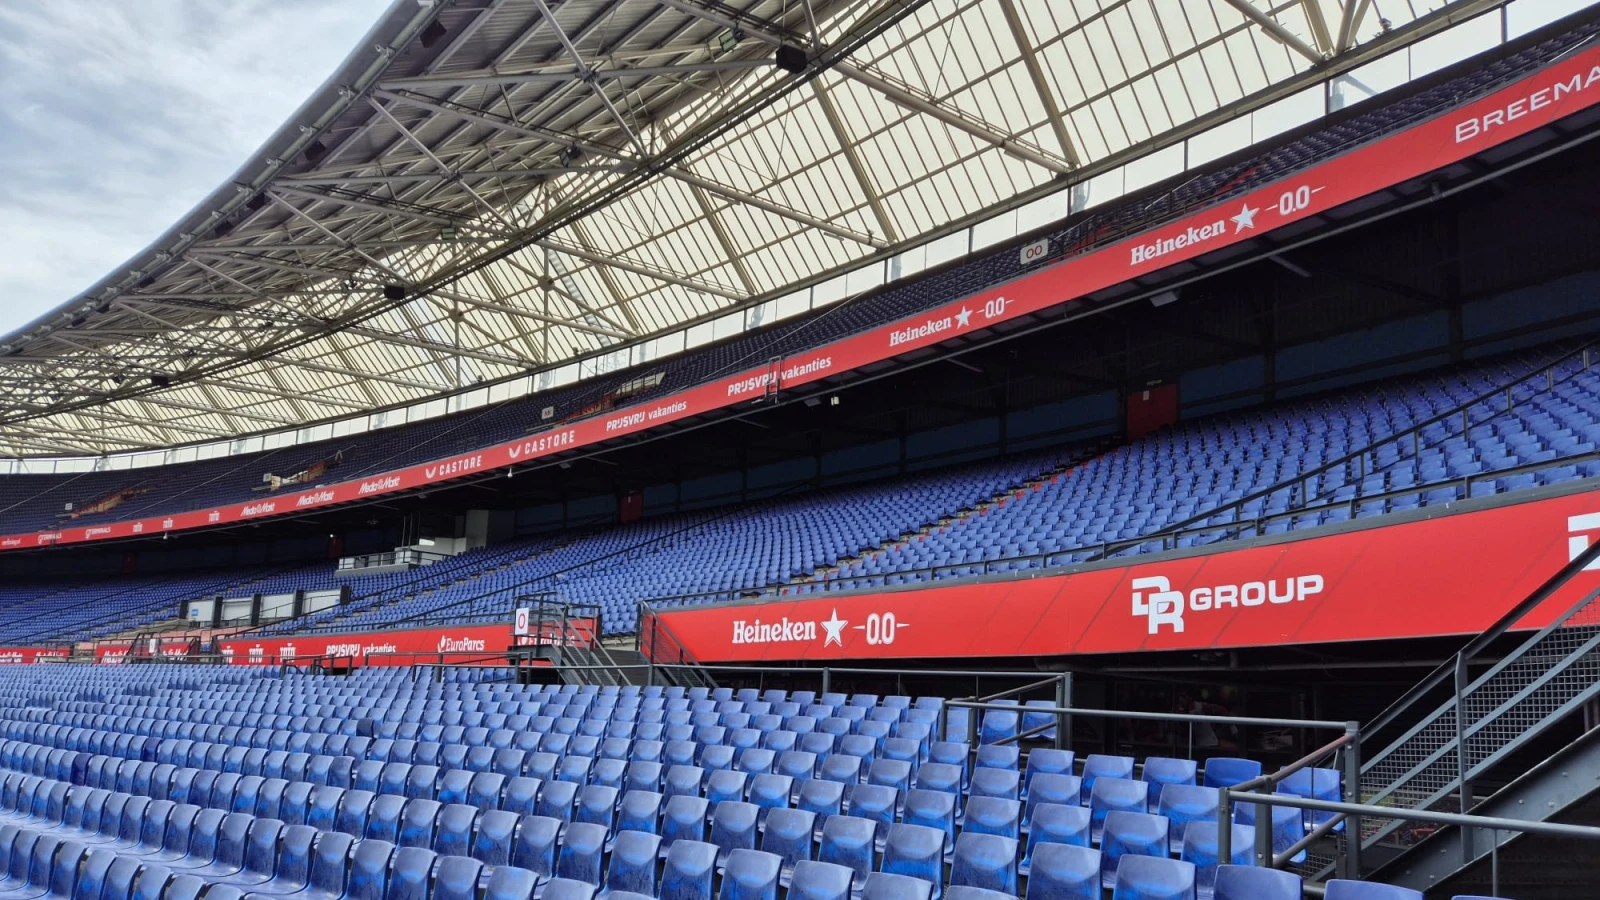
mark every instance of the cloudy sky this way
{"type": "Point", "coordinates": [117, 116]}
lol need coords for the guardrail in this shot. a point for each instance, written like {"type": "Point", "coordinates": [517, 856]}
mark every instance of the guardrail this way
{"type": "Point", "coordinates": [1354, 812]}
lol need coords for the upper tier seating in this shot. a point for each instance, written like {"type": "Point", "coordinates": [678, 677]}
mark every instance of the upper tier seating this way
{"type": "Point", "coordinates": [34, 502]}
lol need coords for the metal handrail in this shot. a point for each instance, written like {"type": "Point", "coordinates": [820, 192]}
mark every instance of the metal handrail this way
{"type": "Point", "coordinates": [1414, 432]}
{"type": "Point", "coordinates": [1353, 812]}
{"type": "Point", "coordinates": [1484, 638]}
{"type": "Point", "coordinates": [1107, 549]}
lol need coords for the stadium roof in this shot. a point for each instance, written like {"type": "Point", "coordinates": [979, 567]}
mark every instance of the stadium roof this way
{"type": "Point", "coordinates": [549, 178]}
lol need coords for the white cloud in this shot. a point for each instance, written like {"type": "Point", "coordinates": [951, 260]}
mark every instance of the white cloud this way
{"type": "Point", "coordinates": [117, 117]}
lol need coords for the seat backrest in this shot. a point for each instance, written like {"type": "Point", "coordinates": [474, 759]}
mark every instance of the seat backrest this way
{"type": "Point", "coordinates": [1344, 889]}
{"type": "Point", "coordinates": [520, 795]}
{"type": "Point", "coordinates": [369, 870]}
{"type": "Point", "coordinates": [1227, 771]}
{"type": "Point", "coordinates": [453, 831]}
{"type": "Point", "coordinates": [92, 874]}
{"type": "Point", "coordinates": [993, 815]}
{"type": "Point", "coordinates": [640, 810]}
{"type": "Point", "coordinates": [582, 852]}
{"type": "Point", "coordinates": [410, 873]}
{"type": "Point", "coordinates": [1064, 872]}
{"type": "Point", "coordinates": [346, 809]}
{"type": "Point", "coordinates": [849, 841]}
{"type": "Point", "coordinates": [330, 862]}
{"type": "Point", "coordinates": [684, 819]}
{"type": "Point", "coordinates": [383, 816]}
{"type": "Point", "coordinates": [733, 826]}
{"type": "Point", "coordinates": [1131, 834]}
{"type": "Point", "coordinates": [790, 834]}
{"type": "Point", "coordinates": [986, 861]}
{"type": "Point", "coordinates": [888, 886]}
{"type": "Point", "coordinates": [510, 883]}
{"type": "Point", "coordinates": [688, 870]}
{"type": "Point", "coordinates": [915, 850]}
{"type": "Point", "coordinates": [120, 877]}
{"type": "Point", "coordinates": [1256, 883]}
{"type": "Point", "coordinates": [491, 842]}
{"type": "Point", "coordinates": [536, 844]}
{"type": "Point", "coordinates": [456, 878]}
{"type": "Point", "coordinates": [634, 863]}
{"type": "Point", "coordinates": [750, 875]}
{"type": "Point", "coordinates": [1156, 878]}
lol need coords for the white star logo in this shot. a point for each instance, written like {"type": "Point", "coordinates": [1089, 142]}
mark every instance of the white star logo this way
{"type": "Point", "coordinates": [835, 629]}
{"type": "Point", "coordinates": [962, 317]}
{"type": "Point", "coordinates": [1245, 219]}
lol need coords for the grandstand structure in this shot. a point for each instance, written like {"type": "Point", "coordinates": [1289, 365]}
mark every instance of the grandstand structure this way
{"type": "Point", "coordinates": [836, 450]}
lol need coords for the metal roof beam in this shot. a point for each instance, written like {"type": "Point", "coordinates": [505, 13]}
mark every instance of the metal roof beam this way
{"type": "Point", "coordinates": [448, 175]}
{"type": "Point", "coordinates": [1041, 84]}
{"type": "Point", "coordinates": [427, 82]}
{"type": "Point", "coordinates": [1272, 27]}
{"type": "Point", "coordinates": [678, 173]}
{"type": "Point", "coordinates": [853, 158]}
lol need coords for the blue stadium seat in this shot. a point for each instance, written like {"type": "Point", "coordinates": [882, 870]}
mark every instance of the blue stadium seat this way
{"type": "Point", "coordinates": [688, 870]}
{"type": "Point", "coordinates": [1243, 882]}
{"type": "Point", "coordinates": [684, 819]}
{"type": "Point", "coordinates": [1064, 872]}
{"type": "Point", "coordinates": [1160, 771]}
{"type": "Point", "coordinates": [1343, 889]}
{"type": "Point", "coordinates": [1098, 765]}
{"type": "Point", "coordinates": [750, 875]}
{"type": "Point", "coordinates": [849, 842]}
{"type": "Point", "coordinates": [1228, 771]}
{"type": "Point", "coordinates": [1115, 794]}
{"type": "Point", "coordinates": [985, 861]}
{"type": "Point", "coordinates": [1200, 847]}
{"type": "Point", "coordinates": [635, 863]}
{"type": "Point", "coordinates": [536, 844]}
{"type": "Point", "coordinates": [888, 886]}
{"type": "Point", "coordinates": [1186, 803]}
{"type": "Point", "coordinates": [640, 811]}
{"type": "Point", "coordinates": [1056, 823]}
{"type": "Point", "coordinates": [917, 851]}
{"type": "Point", "coordinates": [508, 883]}
{"type": "Point", "coordinates": [812, 880]}
{"type": "Point", "coordinates": [582, 852]}
{"type": "Point", "coordinates": [1130, 834]}
{"type": "Point", "coordinates": [733, 827]}
{"type": "Point", "coordinates": [492, 841]}
{"type": "Point", "coordinates": [1153, 878]}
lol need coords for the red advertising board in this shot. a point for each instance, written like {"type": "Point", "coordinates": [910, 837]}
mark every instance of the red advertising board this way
{"type": "Point", "coordinates": [1450, 575]}
{"type": "Point", "coordinates": [1531, 103]}
{"type": "Point", "coordinates": [15, 655]}
{"type": "Point", "coordinates": [116, 654]}
{"type": "Point", "coordinates": [460, 645]}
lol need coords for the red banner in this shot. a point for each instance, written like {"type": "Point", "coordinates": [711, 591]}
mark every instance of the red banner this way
{"type": "Point", "coordinates": [459, 644]}
{"type": "Point", "coordinates": [1455, 574]}
{"type": "Point", "coordinates": [116, 654]}
{"type": "Point", "coordinates": [1536, 101]}
{"type": "Point", "coordinates": [16, 655]}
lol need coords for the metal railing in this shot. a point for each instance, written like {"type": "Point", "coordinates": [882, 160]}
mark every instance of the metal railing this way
{"type": "Point", "coordinates": [1345, 749]}
{"type": "Point", "coordinates": [1456, 726]}
{"type": "Point", "coordinates": [1300, 487]}
{"type": "Point", "coordinates": [1356, 812]}
{"type": "Point", "coordinates": [1163, 542]}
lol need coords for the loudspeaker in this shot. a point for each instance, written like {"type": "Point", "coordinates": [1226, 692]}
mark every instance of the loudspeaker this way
{"type": "Point", "coordinates": [791, 59]}
{"type": "Point", "coordinates": [394, 291]}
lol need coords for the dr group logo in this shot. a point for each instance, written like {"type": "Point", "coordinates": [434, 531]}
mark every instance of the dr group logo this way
{"type": "Point", "coordinates": [879, 629]}
{"type": "Point", "coordinates": [1162, 607]}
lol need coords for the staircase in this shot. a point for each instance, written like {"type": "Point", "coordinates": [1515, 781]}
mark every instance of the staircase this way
{"type": "Point", "coordinates": [1500, 729]}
